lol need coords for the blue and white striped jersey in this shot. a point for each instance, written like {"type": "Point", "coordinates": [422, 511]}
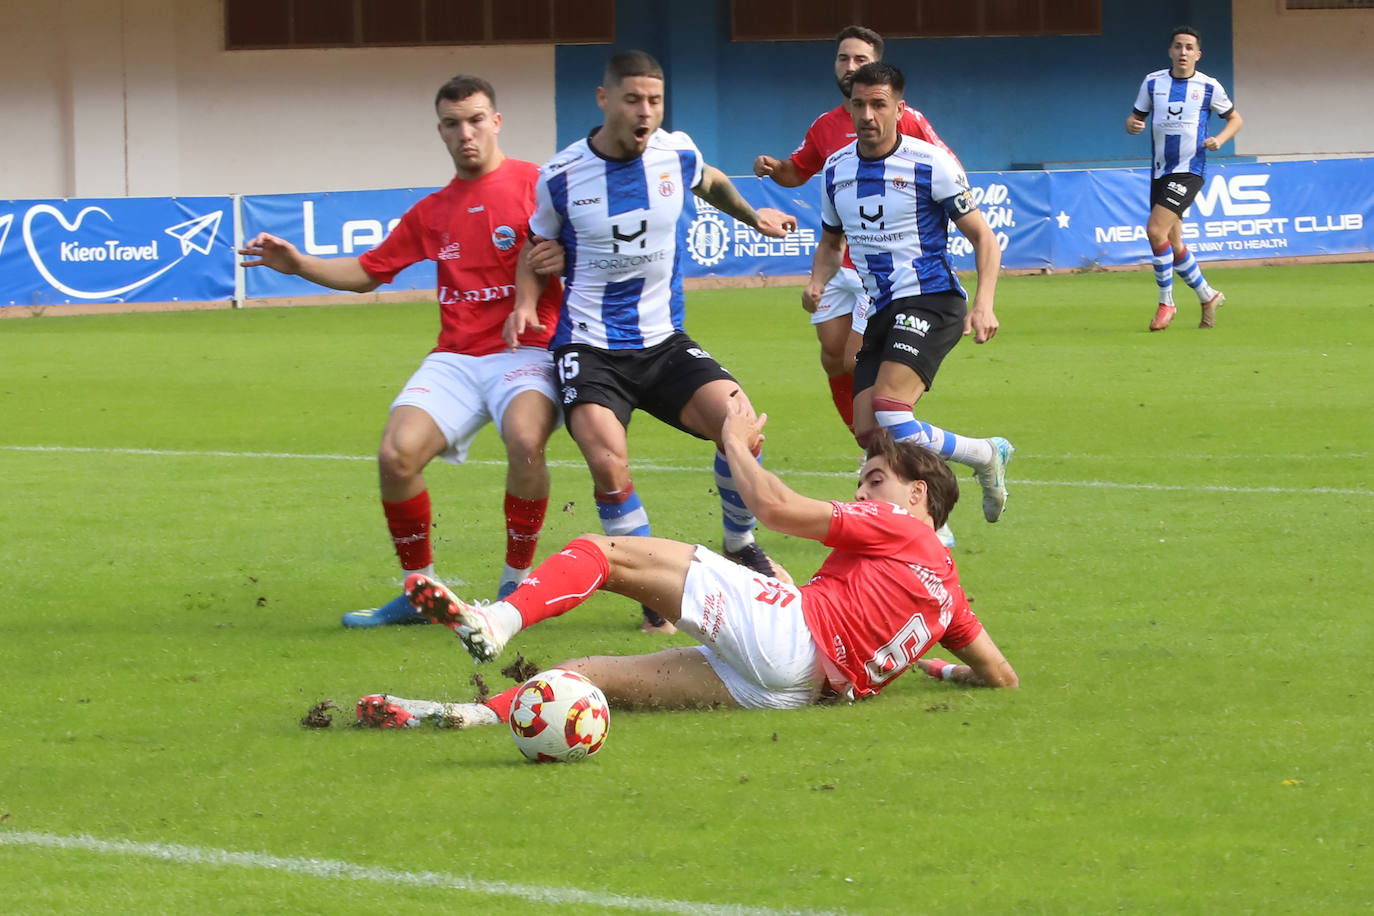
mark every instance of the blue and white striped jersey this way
{"type": "Point", "coordinates": [1178, 111]}
{"type": "Point", "coordinates": [895, 212]}
{"type": "Point", "coordinates": [618, 223]}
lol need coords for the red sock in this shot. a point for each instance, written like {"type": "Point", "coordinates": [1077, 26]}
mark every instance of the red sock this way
{"type": "Point", "coordinates": [501, 703]}
{"type": "Point", "coordinates": [524, 520]}
{"type": "Point", "coordinates": [842, 393]}
{"type": "Point", "coordinates": [409, 524]}
{"type": "Point", "coordinates": [561, 582]}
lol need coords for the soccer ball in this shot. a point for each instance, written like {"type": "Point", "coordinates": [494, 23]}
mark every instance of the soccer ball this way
{"type": "Point", "coordinates": [559, 716]}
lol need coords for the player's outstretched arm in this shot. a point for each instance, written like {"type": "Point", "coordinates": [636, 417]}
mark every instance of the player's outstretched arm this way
{"type": "Point", "coordinates": [783, 171]}
{"type": "Point", "coordinates": [525, 314]}
{"type": "Point", "coordinates": [720, 192]}
{"type": "Point", "coordinates": [776, 505]}
{"type": "Point", "coordinates": [347, 274]}
{"type": "Point", "coordinates": [981, 321]}
{"type": "Point", "coordinates": [984, 666]}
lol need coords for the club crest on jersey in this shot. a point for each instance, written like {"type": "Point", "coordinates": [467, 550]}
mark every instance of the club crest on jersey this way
{"type": "Point", "coordinates": [899, 182]}
{"type": "Point", "coordinates": [665, 185]}
{"type": "Point", "coordinates": [503, 237]}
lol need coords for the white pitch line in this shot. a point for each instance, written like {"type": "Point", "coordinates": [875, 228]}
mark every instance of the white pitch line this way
{"type": "Point", "coordinates": [336, 869]}
{"type": "Point", "coordinates": [650, 466]}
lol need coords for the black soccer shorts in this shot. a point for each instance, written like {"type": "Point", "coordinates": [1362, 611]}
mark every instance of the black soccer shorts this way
{"type": "Point", "coordinates": [1175, 191]}
{"type": "Point", "coordinates": [659, 380]}
{"type": "Point", "coordinates": [916, 331]}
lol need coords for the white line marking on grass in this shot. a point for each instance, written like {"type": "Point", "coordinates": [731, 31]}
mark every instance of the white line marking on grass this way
{"type": "Point", "coordinates": [334, 869]}
{"type": "Point", "coordinates": [650, 466]}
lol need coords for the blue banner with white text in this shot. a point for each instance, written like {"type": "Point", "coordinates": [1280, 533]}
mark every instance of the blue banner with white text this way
{"type": "Point", "coordinates": [181, 249]}
{"type": "Point", "coordinates": [329, 224]}
{"type": "Point", "coordinates": [128, 249]}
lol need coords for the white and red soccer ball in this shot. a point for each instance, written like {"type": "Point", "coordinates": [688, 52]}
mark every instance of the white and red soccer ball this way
{"type": "Point", "coordinates": [559, 716]}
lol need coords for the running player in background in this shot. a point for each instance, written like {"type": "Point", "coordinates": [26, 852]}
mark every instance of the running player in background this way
{"type": "Point", "coordinates": [613, 200]}
{"type": "Point", "coordinates": [1178, 103]}
{"type": "Point", "coordinates": [894, 196]}
{"type": "Point", "coordinates": [884, 596]}
{"type": "Point", "coordinates": [839, 313]}
{"type": "Point", "coordinates": [472, 228]}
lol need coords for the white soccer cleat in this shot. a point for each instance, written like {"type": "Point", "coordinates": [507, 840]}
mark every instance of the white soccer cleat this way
{"type": "Point", "coordinates": [476, 628]}
{"type": "Point", "coordinates": [1209, 310]}
{"type": "Point", "coordinates": [993, 478]}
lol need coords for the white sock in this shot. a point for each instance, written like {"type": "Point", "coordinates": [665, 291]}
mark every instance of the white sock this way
{"type": "Point", "coordinates": [467, 715]}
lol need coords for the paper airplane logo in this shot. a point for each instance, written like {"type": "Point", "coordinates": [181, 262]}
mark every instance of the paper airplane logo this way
{"type": "Point", "coordinates": [196, 234]}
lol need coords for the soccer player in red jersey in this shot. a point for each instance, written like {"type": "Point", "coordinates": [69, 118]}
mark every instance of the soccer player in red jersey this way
{"type": "Point", "coordinates": [886, 594]}
{"type": "Point", "coordinates": [839, 314]}
{"type": "Point", "coordinates": [473, 229]}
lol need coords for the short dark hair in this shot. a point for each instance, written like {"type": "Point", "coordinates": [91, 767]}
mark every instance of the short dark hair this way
{"type": "Point", "coordinates": [461, 87]}
{"type": "Point", "coordinates": [1185, 30]}
{"type": "Point", "coordinates": [630, 63]}
{"type": "Point", "coordinates": [878, 73]}
{"type": "Point", "coordinates": [863, 34]}
{"type": "Point", "coordinates": [910, 461]}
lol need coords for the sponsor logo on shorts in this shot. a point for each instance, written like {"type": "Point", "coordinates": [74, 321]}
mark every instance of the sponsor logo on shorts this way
{"type": "Point", "coordinates": [503, 237]}
{"type": "Point", "coordinates": [569, 394]}
{"type": "Point", "coordinates": [420, 388]}
{"type": "Point", "coordinates": [898, 345]}
{"type": "Point", "coordinates": [698, 353]}
{"type": "Point", "coordinates": [906, 322]}
{"type": "Point", "coordinates": [586, 201]}
{"type": "Point", "coordinates": [712, 615]}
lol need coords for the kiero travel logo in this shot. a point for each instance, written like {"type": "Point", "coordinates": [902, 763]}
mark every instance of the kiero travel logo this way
{"type": "Point", "coordinates": [96, 254]}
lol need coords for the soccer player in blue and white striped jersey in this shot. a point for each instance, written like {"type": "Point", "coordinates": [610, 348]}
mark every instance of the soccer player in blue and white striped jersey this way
{"type": "Point", "coordinates": [893, 196]}
{"type": "Point", "coordinates": [614, 201]}
{"type": "Point", "coordinates": [1178, 102]}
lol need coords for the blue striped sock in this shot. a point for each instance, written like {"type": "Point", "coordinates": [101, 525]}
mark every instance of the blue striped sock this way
{"type": "Point", "coordinates": [1164, 273]}
{"type": "Point", "coordinates": [738, 521]}
{"type": "Point", "coordinates": [622, 513]}
{"type": "Point", "coordinates": [898, 419]}
{"type": "Point", "coordinates": [1191, 272]}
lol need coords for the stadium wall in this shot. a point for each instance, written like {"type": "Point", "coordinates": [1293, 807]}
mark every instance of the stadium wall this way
{"type": "Point", "coordinates": [137, 98]}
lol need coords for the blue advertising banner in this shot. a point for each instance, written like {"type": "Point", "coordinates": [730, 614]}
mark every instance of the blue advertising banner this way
{"type": "Point", "coordinates": [1016, 205]}
{"type": "Point", "coordinates": [181, 250]}
{"type": "Point", "coordinates": [1254, 210]}
{"type": "Point", "coordinates": [116, 250]}
{"type": "Point", "coordinates": [329, 224]}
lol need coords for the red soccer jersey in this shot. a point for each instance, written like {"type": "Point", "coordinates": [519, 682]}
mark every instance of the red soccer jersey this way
{"type": "Point", "coordinates": [473, 230]}
{"type": "Point", "coordinates": [835, 130]}
{"type": "Point", "coordinates": [887, 593]}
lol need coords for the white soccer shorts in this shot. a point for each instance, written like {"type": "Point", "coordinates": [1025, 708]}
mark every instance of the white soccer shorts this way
{"type": "Point", "coordinates": [464, 393]}
{"type": "Point", "coordinates": [752, 632]}
{"type": "Point", "coordinates": [843, 295]}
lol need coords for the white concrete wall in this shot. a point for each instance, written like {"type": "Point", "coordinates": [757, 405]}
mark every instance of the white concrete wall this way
{"type": "Point", "coordinates": [138, 98]}
{"type": "Point", "coordinates": [1304, 79]}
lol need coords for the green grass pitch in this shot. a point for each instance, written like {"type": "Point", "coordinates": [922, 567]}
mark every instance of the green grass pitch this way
{"type": "Point", "coordinates": [188, 502]}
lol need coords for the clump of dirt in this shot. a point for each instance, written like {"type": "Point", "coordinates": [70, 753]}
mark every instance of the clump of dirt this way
{"type": "Point", "coordinates": [483, 691]}
{"type": "Point", "coordinates": [520, 670]}
{"type": "Point", "coordinates": [318, 716]}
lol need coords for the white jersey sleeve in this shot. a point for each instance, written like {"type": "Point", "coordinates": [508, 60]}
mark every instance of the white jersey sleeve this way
{"type": "Point", "coordinates": [1144, 99]}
